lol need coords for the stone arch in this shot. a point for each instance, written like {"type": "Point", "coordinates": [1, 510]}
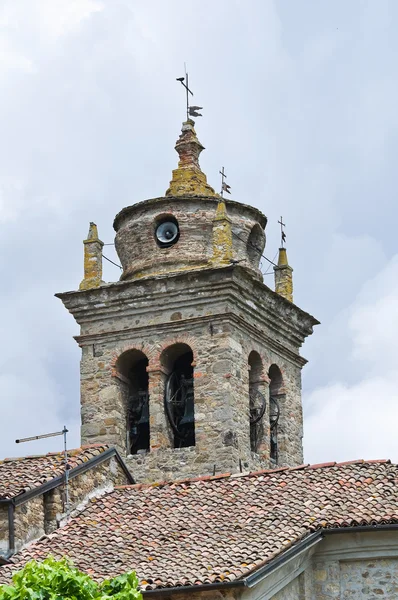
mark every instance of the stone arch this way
{"type": "Point", "coordinates": [257, 402]}
{"type": "Point", "coordinates": [177, 362]}
{"type": "Point", "coordinates": [131, 370]}
{"type": "Point", "coordinates": [276, 396]}
{"type": "Point", "coordinates": [255, 244]}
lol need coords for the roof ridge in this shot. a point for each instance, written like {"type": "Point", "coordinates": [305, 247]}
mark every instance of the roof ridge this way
{"type": "Point", "coordinates": [200, 478]}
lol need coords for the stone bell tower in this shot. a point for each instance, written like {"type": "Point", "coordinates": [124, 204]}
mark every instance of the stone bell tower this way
{"type": "Point", "coordinates": [190, 363]}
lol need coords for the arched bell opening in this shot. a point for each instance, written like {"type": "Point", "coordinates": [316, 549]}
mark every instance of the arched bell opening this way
{"type": "Point", "coordinates": [257, 401]}
{"type": "Point", "coordinates": [132, 369]}
{"type": "Point", "coordinates": [275, 391]}
{"type": "Point", "coordinates": [255, 245]}
{"type": "Point", "coordinates": [179, 402]}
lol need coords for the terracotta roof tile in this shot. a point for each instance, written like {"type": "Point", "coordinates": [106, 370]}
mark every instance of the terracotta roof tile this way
{"type": "Point", "coordinates": [19, 475]}
{"type": "Point", "coordinates": [216, 530]}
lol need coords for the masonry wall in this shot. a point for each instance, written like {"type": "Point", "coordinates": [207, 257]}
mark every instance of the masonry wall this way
{"type": "Point", "coordinates": [221, 346]}
{"type": "Point", "coordinates": [41, 515]}
{"type": "Point", "coordinates": [346, 566]}
{"type": "Point", "coordinates": [3, 529]}
{"type": "Point", "coordinates": [365, 579]}
{"type": "Point", "coordinates": [141, 256]}
{"type": "Point", "coordinates": [181, 294]}
{"type": "Point", "coordinates": [29, 522]}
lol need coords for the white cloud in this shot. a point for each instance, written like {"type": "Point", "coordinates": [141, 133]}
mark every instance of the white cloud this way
{"type": "Point", "coordinates": [358, 420]}
{"type": "Point", "coordinates": [294, 99]}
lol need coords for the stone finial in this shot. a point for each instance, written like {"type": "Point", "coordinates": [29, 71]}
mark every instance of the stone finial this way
{"type": "Point", "coordinates": [222, 236]}
{"type": "Point", "coordinates": [92, 260]}
{"type": "Point", "coordinates": [283, 276]}
{"type": "Point", "coordinates": [188, 179]}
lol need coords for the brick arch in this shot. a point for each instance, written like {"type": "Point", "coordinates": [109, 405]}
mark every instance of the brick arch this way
{"type": "Point", "coordinates": [181, 339]}
{"type": "Point", "coordinates": [117, 353]}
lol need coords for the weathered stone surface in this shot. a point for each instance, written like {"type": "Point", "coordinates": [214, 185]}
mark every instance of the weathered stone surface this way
{"type": "Point", "coordinates": [226, 313]}
{"type": "Point", "coordinates": [188, 178]}
{"type": "Point", "coordinates": [3, 529]}
{"type": "Point", "coordinates": [284, 276]}
{"type": "Point", "coordinates": [203, 241]}
{"type": "Point", "coordinates": [43, 513]}
{"type": "Point", "coordinates": [92, 260]}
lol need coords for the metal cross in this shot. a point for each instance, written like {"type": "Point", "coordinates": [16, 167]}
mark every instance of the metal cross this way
{"type": "Point", "coordinates": [224, 186]}
{"type": "Point", "coordinates": [192, 111]}
{"type": "Point", "coordinates": [283, 234]}
{"type": "Point", "coordinates": [184, 82]}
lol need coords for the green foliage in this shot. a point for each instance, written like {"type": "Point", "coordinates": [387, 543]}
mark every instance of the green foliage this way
{"type": "Point", "coordinates": [56, 580]}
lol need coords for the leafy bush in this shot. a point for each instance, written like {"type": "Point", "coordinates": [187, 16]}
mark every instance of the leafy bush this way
{"type": "Point", "coordinates": [55, 580]}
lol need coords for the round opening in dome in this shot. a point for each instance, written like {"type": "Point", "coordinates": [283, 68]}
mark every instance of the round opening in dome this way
{"type": "Point", "coordinates": [167, 233]}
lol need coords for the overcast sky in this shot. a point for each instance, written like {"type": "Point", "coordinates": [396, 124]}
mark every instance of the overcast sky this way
{"type": "Point", "coordinates": [300, 106]}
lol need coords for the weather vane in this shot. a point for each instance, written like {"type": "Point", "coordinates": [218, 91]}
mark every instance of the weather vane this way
{"type": "Point", "coordinates": [192, 111]}
{"type": "Point", "coordinates": [283, 234]}
{"type": "Point", "coordinates": [224, 186]}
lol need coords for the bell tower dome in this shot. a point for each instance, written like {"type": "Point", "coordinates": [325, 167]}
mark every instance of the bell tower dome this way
{"type": "Point", "coordinates": [190, 363]}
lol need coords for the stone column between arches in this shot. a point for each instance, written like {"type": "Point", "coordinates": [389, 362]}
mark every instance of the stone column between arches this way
{"type": "Point", "coordinates": [159, 429]}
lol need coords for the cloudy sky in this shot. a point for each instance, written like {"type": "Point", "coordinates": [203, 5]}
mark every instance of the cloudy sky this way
{"type": "Point", "coordinates": [300, 105]}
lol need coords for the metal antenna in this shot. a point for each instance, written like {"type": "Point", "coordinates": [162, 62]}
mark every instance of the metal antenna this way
{"type": "Point", "coordinates": [224, 186]}
{"type": "Point", "coordinates": [283, 234]}
{"type": "Point", "coordinates": [192, 111]}
{"type": "Point", "coordinates": [47, 435]}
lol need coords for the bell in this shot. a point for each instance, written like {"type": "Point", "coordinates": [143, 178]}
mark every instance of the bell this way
{"type": "Point", "coordinates": [188, 417]}
{"type": "Point", "coordinates": [144, 418]}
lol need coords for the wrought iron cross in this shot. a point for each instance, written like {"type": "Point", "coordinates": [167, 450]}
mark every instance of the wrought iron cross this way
{"type": "Point", "coordinates": [184, 82]}
{"type": "Point", "coordinates": [192, 111]}
{"type": "Point", "coordinates": [283, 234]}
{"type": "Point", "coordinates": [224, 186]}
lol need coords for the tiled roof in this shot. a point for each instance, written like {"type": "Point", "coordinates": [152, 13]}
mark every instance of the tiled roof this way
{"type": "Point", "coordinates": [19, 475]}
{"type": "Point", "coordinates": [218, 529]}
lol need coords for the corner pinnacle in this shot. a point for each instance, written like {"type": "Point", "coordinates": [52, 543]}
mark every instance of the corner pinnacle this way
{"type": "Point", "coordinates": [284, 276]}
{"type": "Point", "coordinates": [92, 260]}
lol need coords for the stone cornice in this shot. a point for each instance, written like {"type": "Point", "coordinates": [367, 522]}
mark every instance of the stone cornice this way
{"type": "Point", "coordinates": [232, 285]}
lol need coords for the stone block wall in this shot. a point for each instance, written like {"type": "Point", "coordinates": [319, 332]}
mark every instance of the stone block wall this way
{"type": "Point", "coordinates": [221, 336]}
{"type": "Point", "coordinates": [42, 514]}
{"type": "Point", "coordinates": [344, 566]}
{"type": "Point", "coordinates": [3, 529]}
{"type": "Point", "coordinates": [180, 295]}
{"type": "Point", "coordinates": [369, 579]}
{"type": "Point", "coordinates": [29, 521]}
{"type": "Point", "coordinates": [366, 579]}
